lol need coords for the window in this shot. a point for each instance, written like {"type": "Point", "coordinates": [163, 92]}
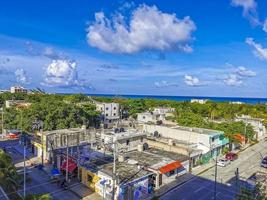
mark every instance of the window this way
{"type": "Point", "coordinates": [114, 114]}
{"type": "Point", "coordinates": [144, 117]}
{"type": "Point", "coordinates": [106, 108]}
{"type": "Point", "coordinates": [114, 108]}
{"type": "Point", "coordinates": [171, 172]}
{"type": "Point", "coordinates": [141, 139]}
{"type": "Point", "coordinates": [89, 178]}
{"type": "Point", "coordinates": [106, 114]}
{"type": "Point", "coordinates": [127, 142]}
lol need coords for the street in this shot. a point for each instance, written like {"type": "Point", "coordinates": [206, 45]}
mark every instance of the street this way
{"type": "Point", "coordinates": [38, 181]}
{"type": "Point", "coordinates": [202, 187]}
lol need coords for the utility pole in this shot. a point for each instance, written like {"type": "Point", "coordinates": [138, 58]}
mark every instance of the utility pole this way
{"type": "Point", "coordinates": [114, 170]}
{"type": "Point", "coordinates": [67, 163]}
{"type": "Point", "coordinates": [215, 181]}
{"type": "Point", "coordinates": [24, 156]}
{"type": "Point", "coordinates": [78, 160]}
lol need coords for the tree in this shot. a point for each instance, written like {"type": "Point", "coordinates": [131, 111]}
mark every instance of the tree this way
{"type": "Point", "coordinates": [8, 175]}
{"type": "Point", "coordinates": [38, 197]}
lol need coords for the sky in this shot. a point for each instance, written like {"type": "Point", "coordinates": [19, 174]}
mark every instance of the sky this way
{"type": "Point", "coordinates": [149, 47]}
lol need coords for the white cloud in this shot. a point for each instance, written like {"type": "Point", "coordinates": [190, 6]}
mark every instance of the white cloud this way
{"type": "Point", "coordinates": [164, 84]}
{"type": "Point", "coordinates": [62, 73]}
{"type": "Point", "coordinates": [148, 29]}
{"type": "Point", "coordinates": [50, 52]}
{"type": "Point", "coordinates": [21, 76]}
{"type": "Point", "coordinates": [244, 72]}
{"type": "Point", "coordinates": [249, 10]}
{"type": "Point", "coordinates": [265, 25]}
{"type": "Point", "coordinates": [193, 81]}
{"type": "Point", "coordinates": [259, 51]}
{"type": "Point", "coordinates": [233, 80]}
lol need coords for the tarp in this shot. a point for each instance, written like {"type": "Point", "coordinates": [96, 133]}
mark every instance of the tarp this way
{"type": "Point", "coordinates": [169, 167]}
{"type": "Point", "coordinates": [55, 172]}
{"type": "Point", "coordinates": [71, 166]}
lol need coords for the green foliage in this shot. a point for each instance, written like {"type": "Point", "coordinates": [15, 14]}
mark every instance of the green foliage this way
{"type": "Point", "coordinates": [225, 150]}
{"type": "Point", "coordinates": [8, 175]}
{"type": "Point", "coordinates": [38, 197]}
{"type": "Point", "coordinates": [54, 110]}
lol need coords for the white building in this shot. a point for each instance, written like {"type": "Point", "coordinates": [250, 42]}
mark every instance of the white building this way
{"type": "Point", "coordinates": [205, 139]}
{"type": "Point", "coordinates": [126, 140]}
{"type": "Point", "coordinates": [158, 114]}
{"type": "Point", "coordinates": [256, 123]}
{"type": "Point", "coordinates": [109, 111]}
{"type": "Point", "coordinates": [200, 101]}
{"type": "Point", "coordinates": [18, 89]}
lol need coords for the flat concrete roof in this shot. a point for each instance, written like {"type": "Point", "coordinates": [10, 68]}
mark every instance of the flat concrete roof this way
{"type": "Point", "coordinates": [193, 129]}
{"type": "Point", "coordinates": [151, 158]}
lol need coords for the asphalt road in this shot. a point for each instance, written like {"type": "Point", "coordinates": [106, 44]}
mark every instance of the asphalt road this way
{"type": "Point", "coordinates": [202, 187]}
{"type": "Point", "coordinates": [38, 181]}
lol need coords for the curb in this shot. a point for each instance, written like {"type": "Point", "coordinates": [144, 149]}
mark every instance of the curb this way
{"type": "Point", "coordinates": [181, 183]}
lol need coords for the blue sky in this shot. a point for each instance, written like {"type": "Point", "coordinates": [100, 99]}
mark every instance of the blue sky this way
{"type": "Point", "coordinates": [195, 48]}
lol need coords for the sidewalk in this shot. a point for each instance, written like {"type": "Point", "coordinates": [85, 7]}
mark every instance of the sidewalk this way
{"type": "Point", "coordinates": [166, 188]}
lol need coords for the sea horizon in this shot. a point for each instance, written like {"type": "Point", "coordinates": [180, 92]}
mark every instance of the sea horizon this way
{"type": "Point", "coordinates": [248, 100]}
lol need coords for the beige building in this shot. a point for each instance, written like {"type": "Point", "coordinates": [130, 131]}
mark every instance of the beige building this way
{"type": "Point", "coordinates": [18, 89]}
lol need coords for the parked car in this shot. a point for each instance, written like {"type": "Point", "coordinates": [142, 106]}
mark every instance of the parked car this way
{"type": "Point", "coordinates": [264, 162]}
{"type": "Point", "coordinates": [223, 162]}
{"type": "Point", "coordinates": [231, 156]}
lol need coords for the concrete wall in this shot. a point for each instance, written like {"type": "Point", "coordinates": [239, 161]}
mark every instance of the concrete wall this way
{"type": "Point", "coordinates": [133, 143]}
{"type": "Point", "coordinates": [109, 109]}
{"type": "Point", "coordinates": [94, 179]}
{"type": "Point", "coordinates": [166, 147]}
{"type": "Point", "coordinates": [145, 117]}
{"type": "Point", "coordinates": [177, 134]}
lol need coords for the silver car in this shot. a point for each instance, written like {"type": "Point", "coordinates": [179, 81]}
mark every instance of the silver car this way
{"type": "Point", "coordinates": [223, 162]}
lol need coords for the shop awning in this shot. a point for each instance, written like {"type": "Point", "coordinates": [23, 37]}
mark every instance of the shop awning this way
{"type": "Point", "coordinates": [169, 167]}
{"type": "Point", "coordinates": [71, 166]}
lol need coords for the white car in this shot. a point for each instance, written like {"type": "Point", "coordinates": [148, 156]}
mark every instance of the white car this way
{"type": "Point", "coordinates": [223, 162]}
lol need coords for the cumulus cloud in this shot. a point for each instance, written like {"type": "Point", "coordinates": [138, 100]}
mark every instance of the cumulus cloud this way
{"type": "Point", "coordinates": [244, 72]}
{"type": "Point", "coordinates": [249, 10]}
{"type": "Point", "coordinates": [259, 51]}
{"type": "Point", "coordinates": [233, 80]}
{"type": "Point", "coordinates": [62, 73]}
{"type": "Point", "coordinates": [148, 29]}
{"type": "Point", "coordinates": [164, 84]}
{"type": "Point", "coordinates": [193, 81]}
{"type": "Point", "coordinates": [21, 76]}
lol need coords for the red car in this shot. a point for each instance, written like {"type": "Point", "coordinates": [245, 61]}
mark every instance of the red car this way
{"type": "Point", "coordinates": [231, 156]}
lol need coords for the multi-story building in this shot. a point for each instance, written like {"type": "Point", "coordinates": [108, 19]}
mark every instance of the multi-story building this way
{"type": "Point", "coordinates": [46, 143]}
{"type": "Point", "coordinates": [18, 89]}
{"type": "Point", "coordinates": [110, 112]}
{"type": "Point", "coordinates": [209, 141]}
{"type": "Point", "coordinates": [126, 140]}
